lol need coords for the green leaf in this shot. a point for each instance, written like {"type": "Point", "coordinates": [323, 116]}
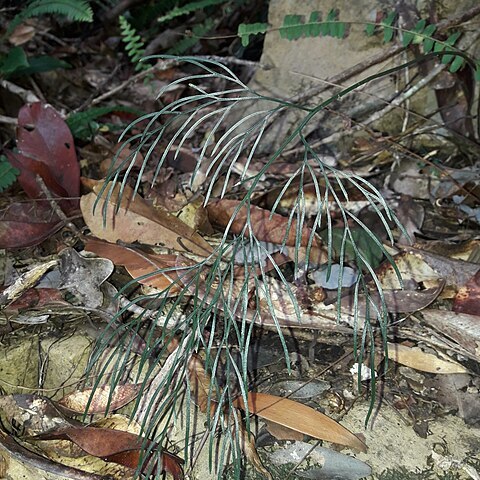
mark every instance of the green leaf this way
{"type": "Point", "coordinates": [17, 64]}
{"type": "Point", "coordinates": [15, 59]}
{"type": "Point", "coordinates": [457, 64]}
{"type": "Point", "coordinates": [340, 30]}
{"type": "Point", "coordinates": [447, 58]}
{"type": "Point", "coordinates": [420, 26]}
{"type": "Point", "coordinates": [428, 42]}
{"type": "Point", "coordinates": [438, 47]}
{"type": "Point", "coordinates": [8, 174]}
{"type": "Point", "coordinates": [363, 241]}
{"type": "Point", "coordinates": [451, 40]}
{"type": "Point", "coordinates": [313, 29]}
{"type": "Point", "coordinates": [292, 28]}
{"type": "Point", "coordinates": [407, 38]}
{"type": "Point", "coordinates": [477, 72]}
{"type": "Point", "coordinates": [83, 124]}
{"type": "Point", "coordinates": [45, 63]}
{"type": "Point", "coordinates": [370, 29]}
{"type": "Point", "coordinates": [387, 30]}
{"type": "Point", "coordinates": [198, 30]}
{"type": "Point", "coordinates": [247, 29]}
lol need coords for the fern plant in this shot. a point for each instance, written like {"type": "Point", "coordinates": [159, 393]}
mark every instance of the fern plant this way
{"type": "Point", "coordinates": [295, 27]}
{"type": "Point", "coordinates": [134, 45]}
{"type": "Point", "coordinates": [222, 303]}
{"type": "Point", "coordinates": [75, 10]}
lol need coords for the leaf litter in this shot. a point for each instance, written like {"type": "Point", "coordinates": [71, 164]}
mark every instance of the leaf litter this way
{"type": "Point", "coordinates": [145, 266]}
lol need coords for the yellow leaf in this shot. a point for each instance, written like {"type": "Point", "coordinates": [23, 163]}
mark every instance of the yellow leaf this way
{"type": "Point", "coordinates": [419, 360]}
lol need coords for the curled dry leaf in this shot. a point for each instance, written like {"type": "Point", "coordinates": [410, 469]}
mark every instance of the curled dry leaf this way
{"type": "Point", "coordinates": [139, 264]}
{"type": "Point", "coordinates": [419, 360]}
{"type": "Point", "coordinates": [301, 418]}
{"type": "Point", "coordinates": [200, 383]}
{"type": "Point", "coordinates": [100, 399]}
{"type": "Point", "coordinates": [22, 34]}
{"type": "Point", "coordinates": [131, 219]}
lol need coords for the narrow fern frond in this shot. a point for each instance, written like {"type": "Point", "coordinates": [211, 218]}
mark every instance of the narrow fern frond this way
{"type": "Point", "coordinates": [134, 43]}
{"type": "Point", "coordinates": [189, 8]}
{"type": "Point", "coordinates": [75, 10]}
{"type": "Point", "coordinates": [294, 27]}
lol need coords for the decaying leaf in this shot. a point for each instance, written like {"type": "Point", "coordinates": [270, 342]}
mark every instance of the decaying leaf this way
{"type": "Point", "coordinates": [299, 417]}
{"type": "Point", "coordinates": [137, 221]}
{"type": "Point", "coordinates": [83, 276]}
{"type": "Point", "coordinates": [461, 327]}
{"type": "Point", "coordinates": [140, 264]}
{"type": "Point", "coordinates": [46, 148]}
{"type": "Point", "coordinates": [267, 227]}
{"type": "Point", "coordinates": [414, 357]}
{"type": "Point", "coordinates": [117, 446]}
{"type": "Point", "coordinates": [100, 399]}
{"type": "Point", "coordinates": [25, 282]}
{"type": "Point", "coordinates": [27, 224]}
{"type": "Point", "coordinates": [467, 299]}
{"type": "Point", "coordinates": [200, 384]}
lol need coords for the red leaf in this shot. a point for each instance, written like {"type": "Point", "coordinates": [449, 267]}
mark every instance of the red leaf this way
{"type": "Point", "coordinates": [27, 224]}
{"type": "Point", "coordinates": [45, 147]}
{"type": "Point", "coordinates": [115, 446]}
{"type": "Point", "coordinates": [36, 298]}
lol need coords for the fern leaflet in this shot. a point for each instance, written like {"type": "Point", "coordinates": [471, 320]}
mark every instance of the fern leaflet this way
{"type": "Point", "coordinates": [8, 174]}
{"type": "Point", "coordinates": [75, 10]}
{"type": "Point", "coordinates": [134, 43]}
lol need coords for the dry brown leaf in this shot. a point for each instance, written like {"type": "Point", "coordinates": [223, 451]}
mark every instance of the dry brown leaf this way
{"type": "Point", "coordinates": [200, 385]}
{"type": "Point", "coordinates": [118, 446]}
{"type": "Point", "coordinates": [275, 229]}
{"type": "Point", "coordinates": [103, 398]}
{"type": "Point", "coordinates": [419, 360]}
{"type": "Point", "coordinates": [280, 432]}
{"type": "Point", "coordinates": [22, 34]}
{"type": "Point", "coordinates": [139, 264]}
{"type": "Point", "coordinates": [247, 443]}
{"type": "Point", "coordinates": [137, 221]}
{"type": "Point", "coordinates": [301, 418]}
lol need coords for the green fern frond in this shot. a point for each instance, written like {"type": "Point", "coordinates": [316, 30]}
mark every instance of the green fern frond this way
{"type": "Point", "coordinates": [294, 27]}
{"type": "Point", "coordinates": [247, 29]}
{"type": "Point", "coordinates": [75, 10]}
{"type": "Point", "coordinates": [8, 174]}
{"type": "Point", "coordinates": [134, 44]}
{"type": "Point", "coordinates": [189, 8]}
